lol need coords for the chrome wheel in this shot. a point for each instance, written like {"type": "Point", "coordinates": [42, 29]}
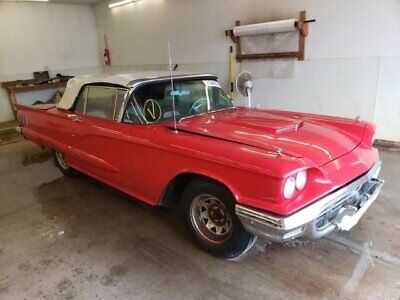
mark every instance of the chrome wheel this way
{"type": "Point", "coordinates": [211, 219]}
{"type": "Point", "coordinates": [61, 160]}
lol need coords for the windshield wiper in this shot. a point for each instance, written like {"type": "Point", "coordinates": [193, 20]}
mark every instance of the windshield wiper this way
{"type": "Point", "coordinates": [207, 112]}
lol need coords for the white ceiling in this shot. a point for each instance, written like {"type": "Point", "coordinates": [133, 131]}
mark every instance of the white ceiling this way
{"type": "Point", "coordinates": [75, 1]}
{"type": "Point", "coordinates": [57, 1]}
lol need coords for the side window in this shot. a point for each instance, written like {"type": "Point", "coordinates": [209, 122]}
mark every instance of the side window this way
{"type": "Point", "coordinates": [218, 98]}
{"type": "Point", "coordinates": [81, 101]}
{"type": "Point", "coordinates": [131, 114]}
{"type": "Point", "coordinates": [101, 102]}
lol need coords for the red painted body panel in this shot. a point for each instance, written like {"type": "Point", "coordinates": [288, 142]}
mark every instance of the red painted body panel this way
{"type": "Point", "coordinates": [238, 147]}
{"type": "Point", "coordinates": [297, 136]}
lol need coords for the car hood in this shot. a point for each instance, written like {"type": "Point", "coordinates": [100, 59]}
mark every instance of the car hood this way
{"type": "Point", "coordinates": [320, 139]}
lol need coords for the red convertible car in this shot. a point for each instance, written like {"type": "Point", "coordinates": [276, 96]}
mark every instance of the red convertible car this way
{"type": "Point", "coordinates": [236, 172]}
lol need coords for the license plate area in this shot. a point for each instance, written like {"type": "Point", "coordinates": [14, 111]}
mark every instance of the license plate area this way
{"type": "Point", "coordinates": [343, 210]}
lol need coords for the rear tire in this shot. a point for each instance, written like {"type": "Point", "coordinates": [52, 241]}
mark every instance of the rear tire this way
{"type": "Point", "coordinates": [61, 163]}
{"type": "Point", "coordinates": [210, 215]}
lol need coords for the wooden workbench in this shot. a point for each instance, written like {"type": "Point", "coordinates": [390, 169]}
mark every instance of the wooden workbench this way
{"type": "Point", "coordinates": [14, 87]}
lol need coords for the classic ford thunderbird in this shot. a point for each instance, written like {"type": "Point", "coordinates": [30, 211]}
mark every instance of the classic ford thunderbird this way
{"type": "Point", "coordinates": [236, 172]}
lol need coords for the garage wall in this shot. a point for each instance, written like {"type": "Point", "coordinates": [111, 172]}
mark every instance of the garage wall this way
{"type": "Point", "coordinates": [60, 38]}
{"type": "Point", "coordinates": [352, 65]}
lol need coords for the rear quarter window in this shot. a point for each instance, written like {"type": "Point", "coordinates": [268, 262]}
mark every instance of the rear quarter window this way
{"type": "Point", "coordinates": [101, 102]}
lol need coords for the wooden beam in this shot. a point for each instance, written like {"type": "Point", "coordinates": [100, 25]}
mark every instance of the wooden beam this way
{"type": "Point", "coordinates": [238, 44]}
{"type": "Point", "coordinates": [268, 55]}
{"type": "Point", "coordinates": [303, 32]}
{"type": "Point", "coordinates": [231, 35]}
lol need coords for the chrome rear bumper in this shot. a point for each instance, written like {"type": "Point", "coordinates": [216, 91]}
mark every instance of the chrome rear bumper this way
{"type": "Point", "coordinates": [340, 210]}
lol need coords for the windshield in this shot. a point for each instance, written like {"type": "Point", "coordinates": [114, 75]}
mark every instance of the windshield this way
{"type": "Point", "coordinates": [153, 103]}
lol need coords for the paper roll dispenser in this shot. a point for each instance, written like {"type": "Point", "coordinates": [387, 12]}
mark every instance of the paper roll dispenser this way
{"type": "Point", "coordinates": [289, 25]}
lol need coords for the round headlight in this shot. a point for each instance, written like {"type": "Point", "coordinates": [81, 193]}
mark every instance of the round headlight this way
{"type": "Point", "coordinates": [301, 179]}
{"type": "Point", "coordinates": [289, 188]}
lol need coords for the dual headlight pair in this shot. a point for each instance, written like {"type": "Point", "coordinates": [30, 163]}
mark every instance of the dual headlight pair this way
{"type": "Point", "coordinates": [292, 183]}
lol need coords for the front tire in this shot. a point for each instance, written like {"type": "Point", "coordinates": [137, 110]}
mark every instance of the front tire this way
{"type": "Point", "coordinates": [61, 163]}
{"type": "Point", "coordinates": [210, 215]}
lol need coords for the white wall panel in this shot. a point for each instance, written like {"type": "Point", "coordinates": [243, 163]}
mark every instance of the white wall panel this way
{"type": "Point", "coordinates": [42, 36]}
{"type": "Point", "coordinates": [353, 48]}
{"type": "Point", "coordinates": [343, 87]}
{"type": "Point", "coordinates": [387, 112]}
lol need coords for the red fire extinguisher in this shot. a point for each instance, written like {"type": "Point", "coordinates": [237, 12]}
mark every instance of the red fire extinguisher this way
{"type": "Point", "coordinates": [106, 55]}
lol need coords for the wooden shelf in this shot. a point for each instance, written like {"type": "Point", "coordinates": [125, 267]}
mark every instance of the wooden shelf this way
{"type": "Point", "coordinates": [36, 87]}
{"type": "Point", "coordinates": [14, 87]}
{"type": "Point", "coordinates": [267, 55]}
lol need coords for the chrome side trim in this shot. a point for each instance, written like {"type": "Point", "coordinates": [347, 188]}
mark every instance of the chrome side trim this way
{"type": "Point", "coordinates": [303, 222]}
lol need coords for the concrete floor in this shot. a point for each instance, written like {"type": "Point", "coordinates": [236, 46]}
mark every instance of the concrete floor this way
{"type": "Point", "coordinates": [74, 238]}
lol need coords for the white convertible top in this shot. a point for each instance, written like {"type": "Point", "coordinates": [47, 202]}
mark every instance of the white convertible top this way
{"type": "Point", "coordinates": [75, 84]}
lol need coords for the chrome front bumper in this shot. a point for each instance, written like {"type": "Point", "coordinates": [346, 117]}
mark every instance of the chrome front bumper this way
{"type": "Point", "coordinates": [340, 210]}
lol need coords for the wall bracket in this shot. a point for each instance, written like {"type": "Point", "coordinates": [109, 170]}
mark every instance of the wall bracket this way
{"type": "Point", "coordinates": [301, 25]}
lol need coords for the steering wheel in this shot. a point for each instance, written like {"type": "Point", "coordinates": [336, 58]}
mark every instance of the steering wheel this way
{"type": "Point", "coordinates": [198, 107]}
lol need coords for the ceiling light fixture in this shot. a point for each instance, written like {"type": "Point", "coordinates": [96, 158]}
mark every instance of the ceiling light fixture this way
{"type": "Point", "coordinates": [120, 3]}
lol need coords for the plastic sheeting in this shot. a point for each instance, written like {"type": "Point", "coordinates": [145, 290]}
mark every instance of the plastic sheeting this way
{"type": "Point", "coordinates": [270, 43]}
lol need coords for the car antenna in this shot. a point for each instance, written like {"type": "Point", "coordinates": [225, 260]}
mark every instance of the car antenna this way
{"type": "Point", "coordinates": [172, 86]}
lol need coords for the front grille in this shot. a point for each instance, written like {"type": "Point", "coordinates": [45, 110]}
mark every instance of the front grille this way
{"type": "Point", "coordinates": [356, 198]}
{"type": "Point", "coordinates": [331, 213]}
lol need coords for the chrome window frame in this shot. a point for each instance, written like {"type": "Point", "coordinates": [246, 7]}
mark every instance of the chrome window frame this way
{"type": "Point", "coordinates": [134, 85]}
{"type": "Point", "coordinates": [124, 106]}
{"type": "Point", "coordinates": [115, 117]}
{"type": "Point", "coordinates": [85, 90]}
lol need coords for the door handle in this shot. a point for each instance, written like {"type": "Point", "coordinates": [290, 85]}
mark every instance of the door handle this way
{"type": "Point", "coordinates": [76, 120]}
